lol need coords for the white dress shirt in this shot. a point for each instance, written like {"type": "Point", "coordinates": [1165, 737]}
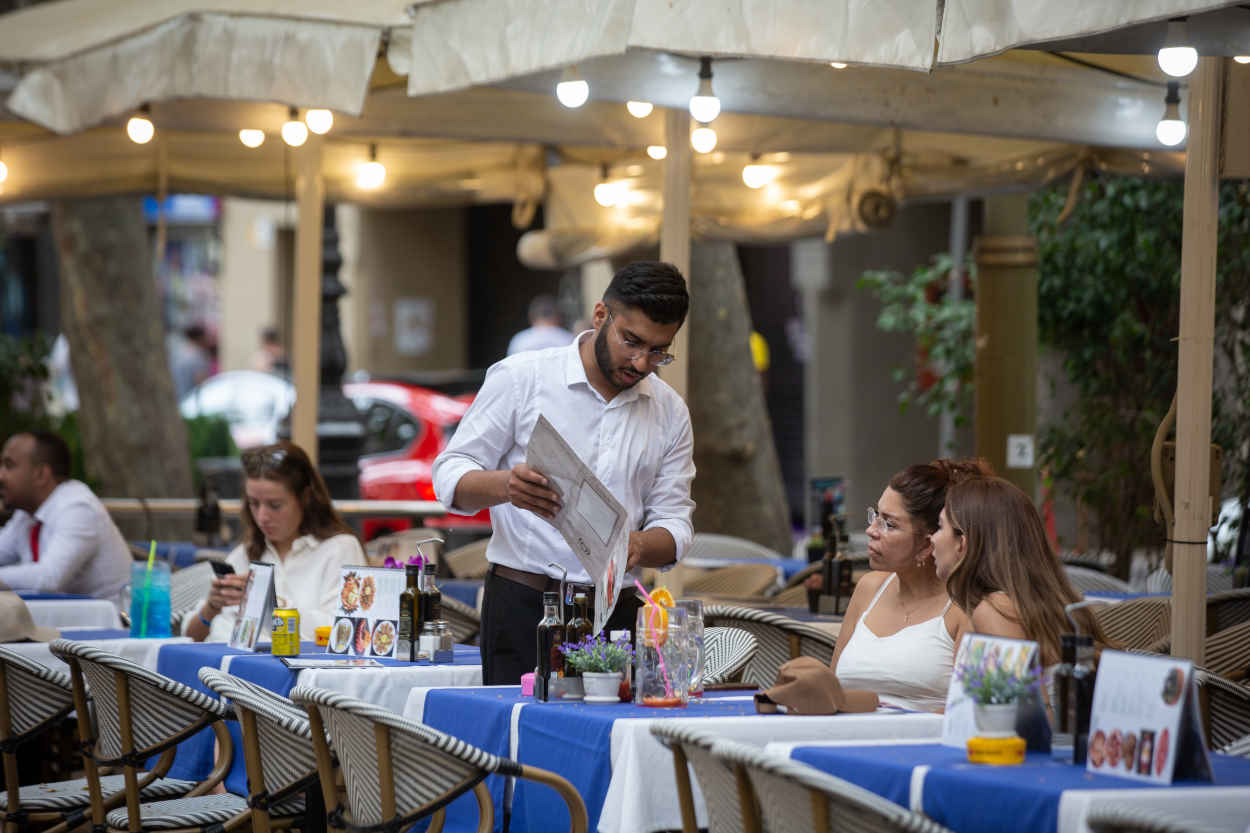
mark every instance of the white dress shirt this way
{"type": "Point", "coordinates": [307, 580]}
{"type": "Point", "coordinates": [639, 445]}
{"type": "Point", "coordinates": [80, 548]}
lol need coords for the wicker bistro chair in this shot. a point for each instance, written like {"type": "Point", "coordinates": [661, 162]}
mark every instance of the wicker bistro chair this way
{"type": "Point", "coordinates": [1123, 818]}
{"type": "Point", "coordinates": [396, 771]}
{"type": "Point", "coordinates": [465, 622]}
{"type": "Point", "coordinates": [277, 749]}
{"type": "Point", "coordinates": [1144, 623]}
{"type": "Point", "coordinates": [468, 561]}
{"type": "Point", "coordinates": [1231, 607]}
{"type": "Point", "coordinates": [140, 713]}
{"type": "Point", "coordinates": [779, 795]}
{"type": "Point", "coordinates": [188, 587]}
{"type": "Point", "coordinates": [1227, 652]}
{"type": "Point", "coordinates": [1225, 707]}
{"type": "Point", "coordinates": [779, 639]}
{"type": "Point", "coordinates": [692, 750]}
{"type": "Point", "coordinates": [1239, 747]}
{"type": "Point", "coordinates": [736, 580]}
{"type": "Point", "coordinates": [712, 545]}
{"type": "Point", "coordinates": [726, 651]}
{"type": "Point", "coordinates": [1085, 580]}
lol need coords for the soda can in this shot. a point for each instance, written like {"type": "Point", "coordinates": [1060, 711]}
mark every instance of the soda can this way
{"type": "Point", "coordinates": [286, 632]}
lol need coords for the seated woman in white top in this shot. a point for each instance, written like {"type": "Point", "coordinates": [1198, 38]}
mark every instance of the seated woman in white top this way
{"type": "Point", "coordinates": [900, 631]}
{"type": "Point", "coordinates": [288, 521]}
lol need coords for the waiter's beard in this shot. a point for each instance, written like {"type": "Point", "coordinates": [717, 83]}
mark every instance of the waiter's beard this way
{"type": "Point", "coordinates": [619, 377]}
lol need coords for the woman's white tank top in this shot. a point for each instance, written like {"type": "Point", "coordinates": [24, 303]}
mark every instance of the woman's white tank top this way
{"type": "Point", "coordinates": [911, 668]}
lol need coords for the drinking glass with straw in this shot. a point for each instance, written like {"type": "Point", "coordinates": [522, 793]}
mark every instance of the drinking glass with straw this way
{"type": "Point", "coordinates": [653, 626]}
{"type": "Point", "coordinates": [147, 589]}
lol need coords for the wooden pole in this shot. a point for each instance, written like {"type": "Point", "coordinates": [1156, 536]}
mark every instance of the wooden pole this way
{"type": "Point", "coordinates": [675, 229]}
{"type": "Point", "coordinates": [1193, 390]}
{"type": "Point", "coordinates": [306, 316]}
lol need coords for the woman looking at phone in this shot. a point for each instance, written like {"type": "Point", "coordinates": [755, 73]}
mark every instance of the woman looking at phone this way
{"type": "Point", "coordinates": [288, 521]}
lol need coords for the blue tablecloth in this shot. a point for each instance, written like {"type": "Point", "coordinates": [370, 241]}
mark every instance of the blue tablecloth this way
{"type": "Point", "coordinates": [461, 589]}
{"type": "Point", "coordinates": [571, 739]}
{"type": "Point", "coordinates": [94, 633]}
{"type": "Point", "coordinates": [177, 553]}
{"type": "Point", "coordinates": [50, 597]}
{"type": "Point", "coordinates": [1025, 797]}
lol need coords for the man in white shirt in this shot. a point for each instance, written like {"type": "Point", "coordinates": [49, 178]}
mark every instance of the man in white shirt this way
{"type": "Point", "coordinates": [625, 423]}
{"type": "Point", "coordinates": [61, 538]}
{"type": "Point", "coordinates": [544, 329]}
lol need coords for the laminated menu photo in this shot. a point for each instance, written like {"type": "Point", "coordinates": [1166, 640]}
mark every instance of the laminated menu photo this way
{"type": "Point", "coordinates": [1144, 723]}
{"type": "Point", "coordinates": [366, 621]}
{"type": "Point", "coordinates": [255, 608]}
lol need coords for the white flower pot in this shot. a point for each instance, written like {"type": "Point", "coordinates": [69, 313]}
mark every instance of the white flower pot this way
{"type": "Point", "coordinates": [602, 686]}
{"type": "Point", "coordinates": [995, 720]}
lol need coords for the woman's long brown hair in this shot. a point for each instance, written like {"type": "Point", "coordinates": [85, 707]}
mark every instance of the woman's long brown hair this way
{"type": "Point", "coordinates": [1007, 552]}
{"type": "Point", "coordinates": [288, 464]}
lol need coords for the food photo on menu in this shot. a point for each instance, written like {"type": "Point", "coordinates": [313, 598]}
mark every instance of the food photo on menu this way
{"type": "Point", "coordinates": [365, 623]}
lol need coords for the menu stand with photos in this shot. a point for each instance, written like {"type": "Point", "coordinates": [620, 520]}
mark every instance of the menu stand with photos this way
{"type": "Point", "coordinates": [1017, 657]}
{"type": "Point", "coordinates": [366, 620]}
{"type": "Point", "coordinates": [255, 609]}
{"type": "Point", "coordinates": [1144, 724]}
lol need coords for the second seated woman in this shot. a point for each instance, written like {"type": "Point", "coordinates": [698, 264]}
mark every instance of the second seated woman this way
{"type": "Point", "coordinates": [900, 631]}
{"type": "Point", "coordinates": [288, 521]}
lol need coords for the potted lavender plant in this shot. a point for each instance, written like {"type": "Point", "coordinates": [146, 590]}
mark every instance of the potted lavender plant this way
{"type": "Point", "coordinates": [996, 691]}
{"type": "Point", "coordinates": [602, 665]}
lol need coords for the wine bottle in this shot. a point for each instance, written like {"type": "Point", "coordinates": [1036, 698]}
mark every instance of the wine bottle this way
{"type": "Point", "coordinates": [409, 611]}
{"type": "Point", "coordinates": [550, 638]}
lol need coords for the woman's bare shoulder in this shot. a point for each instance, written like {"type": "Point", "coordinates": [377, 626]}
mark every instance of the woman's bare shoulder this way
{"type": "Point", "coordinates": [996, 615]}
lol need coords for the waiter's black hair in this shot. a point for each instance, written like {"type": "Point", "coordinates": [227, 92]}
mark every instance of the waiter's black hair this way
{"type": "Point", "coordinates": [655, 287]}
{"type": "Point", "coordinates": [51, 450]}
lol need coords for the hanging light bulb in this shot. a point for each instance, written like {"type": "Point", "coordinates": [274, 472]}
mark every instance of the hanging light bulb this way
{"type": "Point", "coordinates": [1242, 59]}
{"type": "Point", "coordinates": [755, 175]}
{"type": "Point", "coordinates": [1177, 57]}
{"type": "Point", "coordinates": [4, 171]}
{"type": "Point", "coordinates": [639, 109]}
{"type": "Point", "coordinates": [704, 105]}
{"type": "Point", "coordinates": [1171, 128]}
{"type": "Point", "coordinates": [139, 128]}
{"type": "Point", "coordinates": [607, 193]}
{"type": "Point", "coordinates": [370, 175]}
{"type": "Point", "coordinates": [703, 139]}
{"type": "Point", "coordinates": [572, 89]}
{"type": "Point", "coordinates": [319, 121]}
{"type": "Point", "coordinates": [294, 131]}
{"type": "Point", "coordinates": [837, 65]}
{"type": "Point", "coordinates": [251, 137]}
{"type": "Point", "coordinates": [657, 152]}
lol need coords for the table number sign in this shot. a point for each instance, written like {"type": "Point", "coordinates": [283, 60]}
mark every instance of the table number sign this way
{"type": "Point", "coordinates": [366, 622]}
{"type": "Point", "coordinates": [1144, 724]}
{"type": "Point", "coordinates": [255, 609]}
{"type": "Point", "coordinates": [1016, 655]}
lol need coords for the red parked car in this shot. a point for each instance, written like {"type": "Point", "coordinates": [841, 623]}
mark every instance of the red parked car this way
{"type": "Point", "coordinates": [406, 426]}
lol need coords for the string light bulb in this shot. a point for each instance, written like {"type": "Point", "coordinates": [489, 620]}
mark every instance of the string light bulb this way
{"type": "Point", "coordinates": [251, 137]}
{"type": "Point", "coordinates": [319, 120]}
{"type": "Point", "coordinates": [1242, 59]}
{"type": "Point", "coordinates": [704, 105]}
{"type": "Point", "coordinates": [607, 193]}
{"type": "Point", "coordinates": [657, 152]}
{"type": "Point", "coordinates": [1171, 129]}
{"type": "Point", "coordinates": [639, 109]}
{"type": "Point", "coordinates": [139, 128]}
{"type": "Point", "coordinates": [294, 131]}
{"type": "Point", "coordinates": [703, 139]}
{"type": "Point", "coordinates": [4, 171]}
{"type": "Point", "coordinates": [755, 175]}
{"type": "Point", "coordinates": [371, 174]}
{"type": "Point", "coordinates": [573, 90]}
{"type": "Point", "coordinates": [837, 65]}
{"type": "Point", "coordinates": [1177, 57]}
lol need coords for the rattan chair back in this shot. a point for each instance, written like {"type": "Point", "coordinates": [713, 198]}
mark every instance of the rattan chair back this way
{"type": "Point", "coordinates": [726, 651]}
{"type": "Point", "coordinates": [779, 639]}
{"type": "Point", "coordinates": [692, 750]}
{"type": "Point", "coordinates": [1124, 818]}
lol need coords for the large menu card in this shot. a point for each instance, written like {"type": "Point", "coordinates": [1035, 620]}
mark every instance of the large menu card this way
{"type": "Point", "coordinates": [255, 609]}
{"type": "Point", "coordinates": [366, 621]}
{"type": "Point", "coordinates": [1144, 723]}
{"type": "Point", "coordinates": [1018, 656]}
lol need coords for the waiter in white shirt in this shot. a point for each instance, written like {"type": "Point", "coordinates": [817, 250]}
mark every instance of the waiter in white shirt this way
{"type": "Point", "coordinates": [61, 538]}
{"type": "Point", "coordinates": [625, 423]}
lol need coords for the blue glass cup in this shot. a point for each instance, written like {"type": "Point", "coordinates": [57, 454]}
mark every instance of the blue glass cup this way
{"type": "Point", "coordinates": [149, 600]}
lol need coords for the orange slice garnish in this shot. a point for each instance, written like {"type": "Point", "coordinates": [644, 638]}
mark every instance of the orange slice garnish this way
{"type": "Point", "coordinates": [662, 596]}
{"type": "Point", "coordinates": [655, 628]}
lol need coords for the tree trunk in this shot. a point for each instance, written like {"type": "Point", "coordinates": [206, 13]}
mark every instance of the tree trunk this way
{"type": "Point", "coordinates": [134, 439]}
{"type": "Point", "coordinates": [738, 487]}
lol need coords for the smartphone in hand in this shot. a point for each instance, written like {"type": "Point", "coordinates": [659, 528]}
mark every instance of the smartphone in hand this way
{"type": "Point", "coordinates": [221, 568]}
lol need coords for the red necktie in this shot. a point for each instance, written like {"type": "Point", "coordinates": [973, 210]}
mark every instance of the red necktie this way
{"type": "Point", "coordinates": [34, 540]}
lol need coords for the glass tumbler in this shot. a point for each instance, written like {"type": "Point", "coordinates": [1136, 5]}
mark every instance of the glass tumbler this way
{"type": "Point", "coordinates": [696, 657]}
{"type": "Point", "coordinates": [149, 600]}
{"type": "Point", "coordinates": [661, 676]}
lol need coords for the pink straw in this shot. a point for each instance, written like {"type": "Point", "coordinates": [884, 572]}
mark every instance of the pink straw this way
{"type": "Point", "coordinates": [651, 626]}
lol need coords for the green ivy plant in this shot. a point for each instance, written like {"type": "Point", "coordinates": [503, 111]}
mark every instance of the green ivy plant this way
{"type": "Point", "coordinates": [916, 304]}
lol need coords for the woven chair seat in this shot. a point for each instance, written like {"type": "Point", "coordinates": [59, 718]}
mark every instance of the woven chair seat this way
{"type": "Point", "coordinates": [1085, 580]}
{"type": "Point", "coordinates": [738, 580]}
{"type": "Point", "coordinates": [1139, 623]}
{"type": "Point", "coordinates": [726, 652]}
{"type": "Point", "coordinates": [70, 795]}
{"type": "Point", "coordinates": [779, 639]}
{"type": "Point", "coordinates": [1123, 818]}
{"type": "Point", "coordinates": [181, 812]}
{"type": "Point", "coordinates": [1228, 707]}
{"type": "Point", "coordinates": [1227, 652]}
{"type": "Point", "coordinates": [468, 561]}
{"type": "Point", "coordinates": [1232, 607]}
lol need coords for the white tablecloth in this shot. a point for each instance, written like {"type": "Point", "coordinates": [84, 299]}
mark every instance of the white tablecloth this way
{"type": "Point", "coordinates": [141, 651]}
{"type": "Point", "coordinates": [74, 613]}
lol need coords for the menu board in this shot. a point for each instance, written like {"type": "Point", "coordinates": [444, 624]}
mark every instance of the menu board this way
{"type": "Point", "coordinates": [366, 621]}
{"type": "Point", "coordinates": [1144, 723]}
{"type": "Point", "coordinates": [959, 723]}
{"type": "Point", "coordinates": [255, 609]}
